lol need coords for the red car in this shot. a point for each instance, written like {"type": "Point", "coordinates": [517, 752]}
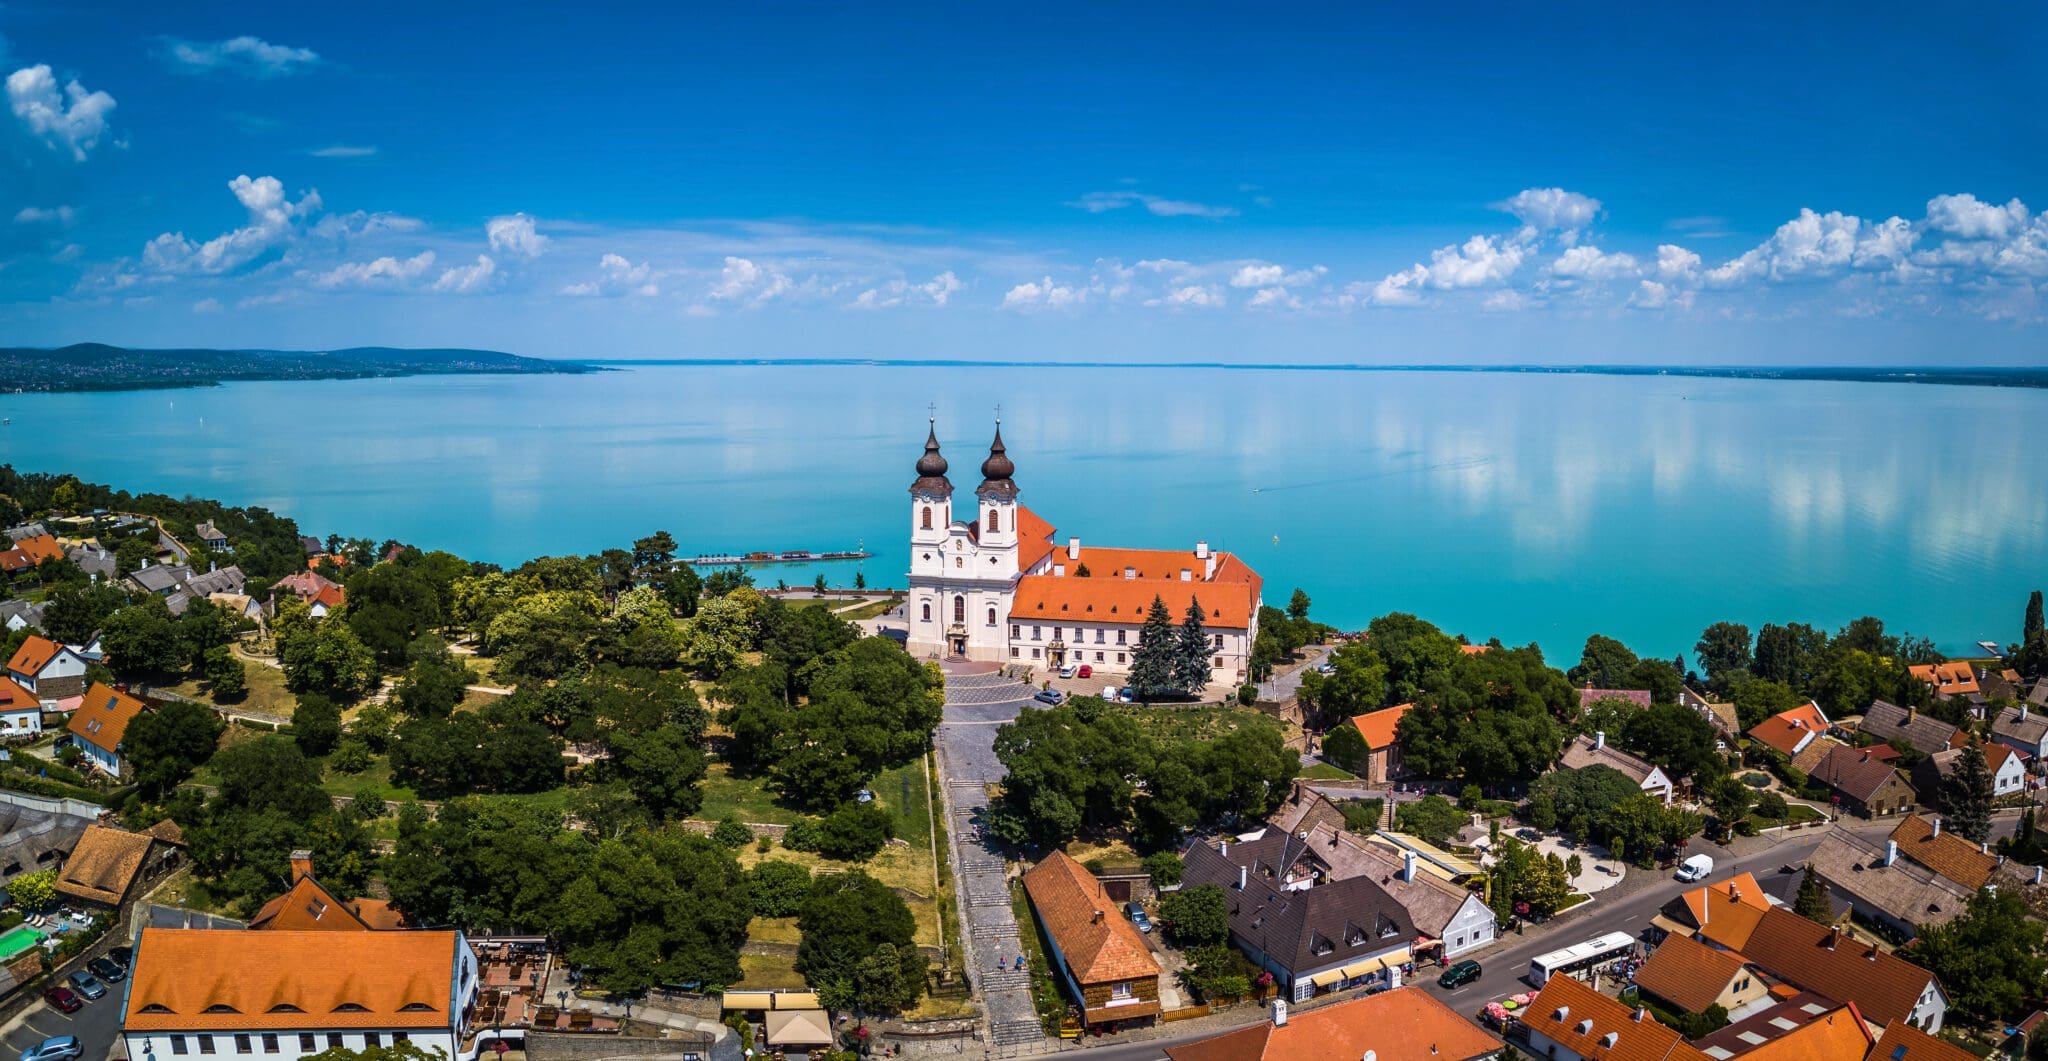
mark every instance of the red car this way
{"type": "Point", "coordinates": [1086, 671]}
{"type": "Point", "coordinates": [61, 997]}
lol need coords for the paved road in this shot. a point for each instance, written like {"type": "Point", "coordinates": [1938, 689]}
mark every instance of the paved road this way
{"type": "Point", "coordinates": [97, 1025]}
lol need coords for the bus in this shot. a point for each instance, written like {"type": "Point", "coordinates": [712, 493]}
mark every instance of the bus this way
{"type": "Point", "coordinates": [1581, 957]}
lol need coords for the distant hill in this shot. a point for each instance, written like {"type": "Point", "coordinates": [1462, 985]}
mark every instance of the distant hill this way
{"type": "Point", "coordinates": [99, 367]}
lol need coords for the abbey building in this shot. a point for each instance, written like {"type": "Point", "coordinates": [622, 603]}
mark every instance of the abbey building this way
{"type": "Point", "coordinates": [991, 581]}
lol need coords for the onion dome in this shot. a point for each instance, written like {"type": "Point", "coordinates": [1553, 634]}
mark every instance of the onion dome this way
{"type": "Point", "coordinates": [996, 470]}
{"type": "Point", "coordinates": [931, 468]}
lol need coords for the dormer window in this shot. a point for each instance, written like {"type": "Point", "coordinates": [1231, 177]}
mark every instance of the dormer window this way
{"type": "Point", "coordinates": [416, 1007]}
{"type": "Point", "coordinates": [1319, 944]}
{"type": "Point", "coordinates": [220, 1007]}
{"type": "Point", "coordinates": [155, 1007]}
{"type": "Point", "coordinates": [351, 1007]}
{"type": "Point", "coordinates": [286, 1007]}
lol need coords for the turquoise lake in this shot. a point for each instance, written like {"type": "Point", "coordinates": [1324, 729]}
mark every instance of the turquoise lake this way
{"type": "Point", "coordinates": [1520, 506]}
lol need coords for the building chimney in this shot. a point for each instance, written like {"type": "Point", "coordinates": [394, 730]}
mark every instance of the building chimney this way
{"type": "Point", "coordinates": [1201, 550]}
{"type": "Point", "coordinates": [1223, 847]}
{"type": "Point", "coordinates": [1599, 739]}
{"type": "Point", "coordinates": [1641, 1013]}
{"type": "Point", "coordinates": [1983, 847]}
{"type": "Point", "coordinates": [1279, 1013]}
{"type": "Point", "coordinates": [1097, 919]}
{"type": "Point", "coordinates": [1130, 572]}
{"type": "Point", "coordinates": [1834, 936]}
{"type": "Point", "coordinates": [1937, 825]}
{"type": "Point", "coordinates": [2023, 712]}
{"type": "Point", "coordinates": [1408, 865]}
{"type": "Point", "coordinates": [1059, 570]}
{"type": "Point", "coordinates": [1209, 568]}
{"type": "Point", "coordinates": [1073, 548]}
{"type": "Point", "coordinates": [2037, 874]}
{"type": "Point", "coordinates": [302, 864]}
{"type": "Point", "coordinates": [1242, 873]}
{"type": "Point", "coordinates": [1911, 714]}
{"type": "Point", "coordinates": [1891, 852]}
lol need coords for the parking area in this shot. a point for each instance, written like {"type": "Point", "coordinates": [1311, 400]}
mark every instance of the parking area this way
{"type": "Point", "coordinates": [97, 1025]}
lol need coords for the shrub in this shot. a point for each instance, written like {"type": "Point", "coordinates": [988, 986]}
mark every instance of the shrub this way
{"type": "Point", "coordinates": [316, 724]}
{"type": "Point", "coordinates": [351, 756]}
{"type": "Point", "coordinates": [780, 888]}
{"type": "Point", "coordinates": [855, 832]}
{"type": "Point", "coordinates": [1771, 805]}
{"type": "Point", "coordinates": [1247, 694]}
{"type": "Point", "coordinates": [732, 833]}
{"type": "Point", "coordinates": [1433, 818]}
{"type": "Point", "coordinates": [1471, 796]}
{"type": "Point", "coordinates": [803, 836]}
{"type": "Point", "coordinates": [1165, 868]}
{"type": "Point", "coordinates": [1196, 916]}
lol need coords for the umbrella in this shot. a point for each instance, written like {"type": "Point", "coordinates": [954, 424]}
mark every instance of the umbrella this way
{"type": "Point", "coordinates": [1496, 1011]}
{"type": "Point", "coordinates": [1510, 1004]}
{"type": "Point", "coordinates": [1524, 998]}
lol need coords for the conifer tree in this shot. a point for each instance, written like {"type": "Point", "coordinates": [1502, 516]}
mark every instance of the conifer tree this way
{"type": "Point", "coordinates": [1191, 652]}
{"type": "Point", "coordinates": [1152, 661]}
{"type": "Point", "coordinates": [1812, 901]}
{"type": "Point", "coordinates": [2034, 623]}
{"type": "Point", "coordinates": [1966, 795]}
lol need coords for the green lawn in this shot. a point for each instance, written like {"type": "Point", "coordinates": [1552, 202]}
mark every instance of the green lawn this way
{"type": "Point", "coordinates": [769, 972]}
{"type": "Point", "coordinates": [1171, 722]}
{"type": "Point", "coordinates": [867, 611]}
{"type": "Point", "coordinates": [747, 799]}
{"type": "Point", "coordinates": [266, 691]}
{"type": "Point", "coordinates": [373, 783]}
{"type": "Point", "coordinates": [1325, 772]}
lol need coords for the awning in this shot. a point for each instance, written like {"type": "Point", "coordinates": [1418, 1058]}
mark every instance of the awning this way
{"type": "Point", "coordinates": [1676, 928]}
{"type": "Point", "coordinates": [1326, 979]}
{"type": "Point", "coordinates": [750, 1000]}
{"type": "Point", "coordinates": [799, 1027]}
{"type": "Point", "coordinates": [1358, 969]}
{"type": "Point", "coordinates": [797, 1000]}
{"type": "Point", "coordinates": [1399, 957]}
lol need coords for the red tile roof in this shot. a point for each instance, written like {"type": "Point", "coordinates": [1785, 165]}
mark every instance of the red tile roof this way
{"type": "Point", "coordinates": [1838, 1035]}
{"type": "Point", "coordinates": [1408, 1024]}
{"type": "Point", "coordinates": [332, 596]}
{"type": "Point", "coordinates": [1565, 1005]}
{"type": "Point", "coordinates": [192, 979]}
{"type": "Point", "coordinates": [307, 906]}
{"type": "Point", "coordinates": [1949, 679]}
{"type": "Point", "coordinates": [1106, 596]}
{"type": "Point", "coordinates": [1946, 853]}
{"type": "Point", "coordinates": [33, 655]}
{"type": "Point", "coordinates": [103, 717]}
{"type": "Point", "coordinates": [103, 864]}
{"type": "Point", "coordinates": [1688, 974]}
{"type": "Point", "coordinates": [31, 552]}
{"type": "Point", "coordinates": [1885, 986]}
{"type": "Point", "coordinates": [1787, 731]}
{"type": "Point", "coordinates": [1739, 890]}
{"type": "Point", "coordinates": [1377, 727]}
{"type": "Point", "coordinates": [15, 698]}
{"type": "Point", "coordinates": [1903, 1042]}
{"type": "Point", "coordinates": [1099, 945]}
{"type": "Point", "coordinates": [1034, 538]}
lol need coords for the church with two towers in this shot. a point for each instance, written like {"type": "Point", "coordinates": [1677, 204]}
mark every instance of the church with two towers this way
{"type": "Point", "coordinates": [991, 581]}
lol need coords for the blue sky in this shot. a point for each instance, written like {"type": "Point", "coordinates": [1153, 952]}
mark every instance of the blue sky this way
{"type": "Point", "coordinates": [1859, 184]}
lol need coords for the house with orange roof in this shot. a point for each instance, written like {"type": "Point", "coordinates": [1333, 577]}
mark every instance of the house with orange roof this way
{"type": "Point", "coordinates": [1690, 976]}
{"type": "Point", "coordinates": [1903, 1042]}
{"type": "Point", "coordinates": [100, 723]}
{"type": "Point", "coordinates": [1839, 1034]}
{"type": "Point", "coordinates": [21, 711]}
{"type": "Point", "coordinates": [288, 994]}
{"type": "Point", "coordinates": [1382, 741]}
{"type": "Point", "coordinates": [321, 594]}
{"type": "Point", "coordinates": [1099, 956]}
{"type": "Point", "coordinates": [1569, 1021]}
{"type": "Point", "coordinates": [1405, 1024]}
{"type": "Point", "coordinates": [993, 583]}
{"type": "Point", "coordinates": [1790, 732]}
{"type": "Point", "coordinates": [1693, 910]}
{"type": "Point", "coordinates": [307, 906]}
{"type": "Point", "coordinates": [105, 865]}
{"type": "Point", "coordinates": [1953, 678]}
{"type": "Point", "coordinates": [29, 553]}
{"type": "Point", "coordinates": [47, 669]}
{"type": "Point", "coordinates": [1822, 960]}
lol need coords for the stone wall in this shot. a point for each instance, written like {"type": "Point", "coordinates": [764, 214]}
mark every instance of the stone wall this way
{"type": "Point", "coordinates": [565, 1046]}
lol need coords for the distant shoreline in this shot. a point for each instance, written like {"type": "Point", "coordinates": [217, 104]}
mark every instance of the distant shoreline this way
{"type": "Point", "coordinates": [2036, 378]}
{"type": "Point", "coordinates": [98, 367]}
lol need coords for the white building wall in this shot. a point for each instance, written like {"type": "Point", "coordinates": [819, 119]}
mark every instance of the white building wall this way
{"type": "Point", "coordinates": [286, 1045]}
{"type": "Point", "coordinates": [1473, 926]}
{"type": "Point", "coordinates": [16, 723]}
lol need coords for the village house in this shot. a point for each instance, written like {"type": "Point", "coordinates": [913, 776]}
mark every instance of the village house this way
{"type": "Point", "coordinates": [1583, 751]}
{"type": "Point", "coordinates": [1889, 722]}
{"type": "Point", "coordinates": [95, 560]}
{"type": "Point", "coordinates": [1799, 734]}
{"type": "Point", "coordinates": [100, 722]}
{"type": "Point", "coordinates": [228, 579]}
{"type": "Point", "coordinates": [1589, 696]}
{"type": "Point", "coordinates": [1864, 782]}
{"type": "Point", "coordinates": [2008, 772]}
{"type": "Point", "coordinates": [106, 864]}
{"type": "Point", "coordinates": [1822, 960]}
{"type": "Point", "coordinates": [1404, 1025]}
{"type": "Point", "coordinates": [160, 580]}
{"type": "Point", "coordinates": [1837, 1033]}
{"type": "Point", "coordinates": [296, 993]}
{"type": "Point", "coordinates": [1903, 1042]}
{"type": "Point", "coordinates": [321, 594]}
{"type": "Point", "coordinates": [1739, 896]}
{"type": "Point", "coordinates": [32, 839]}
{"type": "Point", "coordinates": [307, 906]}
{"type": "Point", "coordinates": [1305, 808]}
{"type": "Point", "coordinates": [2024, 727]}
{"type": "Point", "coordinates": [21, 712]}
{"type": "Point", "coordinates": [1569, 1021]}
{"type": "Point", "coordinates": [48, 669]}
{"type": "Point", "coordinates": [1720, 714]}
{"type": "Point", "coordinates": [1954, 678]}
{"type": "Point", "coordinates": [1383, 743]}
{"type": "Point", "coordinates": [27, 554]}
{"type": "Point", "coordinates": [1098, 955]}
{"type": "Point", "coordinates": [22, 615]}
{"type": "Point", "coordinates": [32, 529]}
{"type": "Point", "coordinates": [1689, 976]}
{"type": "Point", "coordinates": [1760, 1027]}
{"type": "Point", "coordinates": [1882, 887]}
{"type": "Point", "coordinates": [210, 537]}
{"type": "Point", "coordinates": [1314, 938]}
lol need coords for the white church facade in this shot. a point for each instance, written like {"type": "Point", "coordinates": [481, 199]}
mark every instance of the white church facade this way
{"type": "Point", "coordinates": [989, 580]}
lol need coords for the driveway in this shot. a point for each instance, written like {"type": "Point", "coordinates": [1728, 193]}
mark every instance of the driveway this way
{"type": "Point", "coordinates": [97, 1026]}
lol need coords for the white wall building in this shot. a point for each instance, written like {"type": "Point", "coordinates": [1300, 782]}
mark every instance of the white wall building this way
{"type": "Point", "coordinates": [283, 995]}
{"type": "Point", "coordinates": [991, 582]}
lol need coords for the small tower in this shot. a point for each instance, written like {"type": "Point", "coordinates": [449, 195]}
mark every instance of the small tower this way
{"type": "Point", "coordinates": [931, 496]}
{"type": "Point", "coordinates": [996, 515]}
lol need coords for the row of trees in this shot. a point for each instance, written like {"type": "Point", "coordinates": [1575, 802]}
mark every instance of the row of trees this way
{"type": "Point", "coordinates": [1085, 766]}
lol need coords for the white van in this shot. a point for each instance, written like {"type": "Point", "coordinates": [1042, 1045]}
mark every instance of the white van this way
{"type": "Point", "coordinates": [1695, 868]}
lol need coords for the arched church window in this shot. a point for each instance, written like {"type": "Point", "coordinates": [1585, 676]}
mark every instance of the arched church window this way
{"type": "Point", "coordinates": [927, 517]}
{"type": "Point", "coordinates": [959, 609]}
{"type": "Point", "coordinates": [994, 520]}
{"type": "Point", "coordinates": [991, 616]}
{"type": "Point", "coordinates": [927, 611]}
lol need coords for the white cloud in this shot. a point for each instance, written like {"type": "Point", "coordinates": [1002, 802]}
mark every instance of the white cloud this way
{"type": "Point", "coordinates": [1479, 262]}
{"type": "Point", "coordinates": [468, 279]}
{"type": "Point", "coordinates": [1588, 262]}
{"type": "Point", "coordinates": [1102, 202]}
{"type": "Point", "coordinates": [1399, 289]}
{"type": "Point", "coordinates": [1191, 296]}
{"type": "Point", "coordinates": [935, 291]}
{"type": "Point", "coordinates": [1676, 263]}
{"type": "Point", "coordinates": [515, 234]}
{"type": "Point", "coordinates": [1261, 274]}
{"type": "Point", "coordinates": [37, 215]}
{"type": "Point", "coordinates": [1971, 218]}
{"type": "Point", "coordinates": [363, 223]}
{"type": "Point", "coordinates": [1506, 301]}
{"type": "Point", "coordinates": [1045, 293]}
{"type": "Point", "coordinates": [617, 275]}
{"type": "Point", "coordinates": [1650, 294]}
{"type": "Point", "coordinates": [344, 151]}
{"type": "Point", "coordinates": [380, 272]}
{"type": "Point", "coordinates": [206, 305]}
{"type": "Point", "coordinates": [740, 280]}
{"type": "Point", "coordinates": [272, 218]}
{"type": "Point", "coordinates": [242, 55]}
{"type": "Point", "coordinates": [1552, 209]}
{"type": "Point", "coordinates": [1274, 298]}
{"type": "Point", "coordinates": [1883, 244]}
{"type": "Point", "coordinates": [74, 121]}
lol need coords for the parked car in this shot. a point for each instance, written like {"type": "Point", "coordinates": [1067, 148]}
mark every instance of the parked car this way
{"type": "Point", "coordinates": [124, 955]}
{"type": "Point", "coordinates": [86, 984]}
{"type": "Point", "coordinates": [107, 969]}
{"type": "Point", "coordinates": [1086, 671]}
{"type": "Point", "coordinates": [1526, 833]}
{"type": "Point", "coordinates": [1136, 912]}
{"type": "Point", "coordinates": [1326, 667]}
{"type": "Point", "coordinates": [61, 997]}
{"type": "Point", "coordinates": [61, 1048]}
{"type": "Point", "coordinates": [1048, 696]}
{"type": "Point", "coordinates": [1459, 974]}
{"type": "Point", "coordinates": [1695, 868]}
{"type": "Point", "coordinates": [1068, 670]}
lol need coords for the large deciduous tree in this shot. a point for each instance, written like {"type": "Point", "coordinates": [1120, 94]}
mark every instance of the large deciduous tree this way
{"type": "Point", "coordinates": [1724, 652]}
{"type": "Point", "coordinates": [858, 945]}
{"type": "Point", "coordinates": [165, 745]}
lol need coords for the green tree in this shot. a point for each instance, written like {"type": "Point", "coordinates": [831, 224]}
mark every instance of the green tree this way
{"type": "Point", "coordinates": [1164, 867]}
{"type": "Point", "coordinates": [1724, 652]}
{"type": "Point", "coordinates": [1346, 747]}
{"type": "Point", "coordinates": [75, 614]}
{"type": "Point", "coordinates": [1604, 664]}
{"type": "Point", "coordinates": [1488, 718]}
{"type": "Point", "coordinates": [1418, 656]}
{"type": "Point", "coordinates": [1676, 738]}
{"type": "Point", "coordinates": [779, 887]}
{"type": "Point", "coordinates": [1152, 661]}
{"type": "Point", "coordinates": [1966, 794]}
{"type": "Point", "coordinates": [2034, 623]}
{"type": "Point", "coordinates": [226, 678]}
{"type": "Point", "coordinates": [1190, 671]}
{"type": "Point", "coordinates": [34, 891]}
{"type": "Point", "coordinates": [1432, 817]}
{"type": "Point", "coordinates": [1297, 605]}
{"type": "Point", "coordinates": [1356, 684]}
{"type": "Point", "coordinates": [132, 554]}
{"type": "Point", "coordinates": [1812, 901]}
{"type": "Point", "coordinates": [658, 906]}
{"type": "Point", "coordinates": [432, 686]}
{"type": "Point", "coordinates": [1069, 767]}
{"type": "Point", "coordinates": [665, 768]}
{"type": "Point", "coordinates": [1196, 916]}
{"type": "Point", "coordinates": [1789, 654]}
{"type": "Point", "coordinates": [731, 832]}
{"type": "Point", "coordinates": [722, 631]}
{"type": "Point", "coordinates": [316, 724]}
{"type": "Point", "coordinates": [1756, 699]}
{"type": "Point", "coordinates": [165, 745]}
{"type": "Point", "coordinates": [388, 606]}
{"type": "Point", "coordinates": [848, 918]}
{"type": "Point", "coordinates": [545, 635]}
{"type": "Point", "coordinates": [1990, 960]}
{"type": "Point", "coordinates": [855, 832]}
{"type": "Point", "coordinates": [142, 639]}
{"type": "Point", "coordinates": [324, 657]}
